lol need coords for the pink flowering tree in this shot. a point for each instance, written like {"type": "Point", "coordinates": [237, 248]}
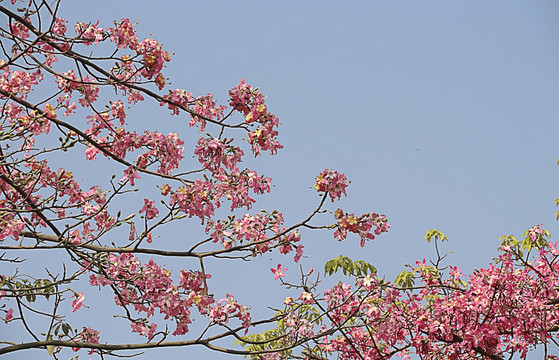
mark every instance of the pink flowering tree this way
{"type": "Point", "coordinates": [432, 310]}
{"type": "Point", "coordinates": [68, 91]}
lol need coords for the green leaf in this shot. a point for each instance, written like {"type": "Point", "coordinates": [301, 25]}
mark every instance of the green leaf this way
{"type": "Point", "coordinates": [66, 329]}
{"type": "Point", "coordinates": [436, 235]}
{"type": "Point", "coordinates": [50, 348]}
{"type": "Point", "coordinates": [405, 279]}
{"type": "Point", "coordinates": [349, 267]}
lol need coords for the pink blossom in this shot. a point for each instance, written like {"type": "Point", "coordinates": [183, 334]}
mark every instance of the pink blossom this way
{"type": "Point", "coordinates": [331, 182]}
{"type": "Point", "coordinates": [362, 225]}
{"type": "Point", "coordinates": [278, 272]}
{"type": "Point", "coordinates": [76, 304]}
{"type": "Point", "coordinates": [307, 298]}
{"type": "Point", "coordinates": [150, 209]}
{"type": "Point", "coordinates": [90, 33]}
{"type": "Point", "coordinates": [9, 315]}
{"type": "Point", "coordinates": [75, 235]}
{"type": "Point", "coordinates": [534, 232]}
{"type": "Point", "coordinates": [143, 329]}
{"type": "Point", "coordinates": [299, 253]}
{"type": "Point", "coordinates": [130, 174]}
{"type": "Point", "coordinates": [123, 35]}
{"type": "Point", "coordinates": [59, 26]}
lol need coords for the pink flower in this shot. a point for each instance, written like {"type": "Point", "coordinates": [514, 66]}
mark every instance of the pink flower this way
{"type": "Point", "coordinates": [278, 272]}
{"type": "Point", "coordinates": [130, 174]}
{"type": "Point", "coordinates": [534, 232]}
{"type": "Point", "coordinates": [76, 239]}
{"type": "Point", "coordinates": [59, 26]}
{"type": "Point", "coordinates": [143, 329]}
{"type": "Point", "coordinates": [307, 298]}
{"type": "Point", "coordinates": [150, 209]}
{"type": "Point", "coordinates": [76, 304]}
{"type": "Point", "coordinates": [9, 315]}
{"type": "Point", "coordinates": [91, 153]}
{"type": "Point", "coordinates": [165, 189]}
{"type": "Point", "coordinates": [299, 253]}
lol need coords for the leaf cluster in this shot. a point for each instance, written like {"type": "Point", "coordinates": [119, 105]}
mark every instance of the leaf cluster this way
{"type": "Point", "coordinates": [30, 289]}
{"type": "Point", "coordinates": [356, 268]}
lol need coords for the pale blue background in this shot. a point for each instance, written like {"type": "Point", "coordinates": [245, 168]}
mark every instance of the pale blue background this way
{"type": "Point", "coordinates": [443, 114]}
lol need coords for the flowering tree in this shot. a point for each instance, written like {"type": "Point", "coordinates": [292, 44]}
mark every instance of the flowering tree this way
{"type": "Point", "coordinates": [431, 310]}
{"type": "Point", "coordinates": [68, 92]}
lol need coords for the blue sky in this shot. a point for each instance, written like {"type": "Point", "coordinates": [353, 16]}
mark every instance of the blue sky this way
{"type": "Point", "coordinates": [442, 114]}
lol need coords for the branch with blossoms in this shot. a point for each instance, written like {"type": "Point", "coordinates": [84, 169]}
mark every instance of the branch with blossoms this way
{"type": "Point", "coordinates": [84, 111]}
{"type": "Point", "coordinates": [61, 98]}
{"type": "Point", "coordinates": [431, 311]}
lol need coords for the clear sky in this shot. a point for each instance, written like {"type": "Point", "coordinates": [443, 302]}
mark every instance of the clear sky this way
{"type": "Point", "coordinates": [443, 114]}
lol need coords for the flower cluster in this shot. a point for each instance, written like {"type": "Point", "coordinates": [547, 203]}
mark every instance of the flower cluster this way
{"type": "Point", "coordinates": [18, 82]}
{"type": "Point", "coordinates": [503, 309]}
{"type": "Point", "coordinates": [251, 103]}
{"type": "Point", "coordinates": [18, 29]}
{"type": "Point", "coordinates": [87, 335]}
{"type": "Point", "coordinates": [59, 26]}
{"type": "Point", "coordinates": [149, 287]}
{"type": "Point", "coordinates": [193, 280]}
{"type": "Point", "coordinates": [153, 58]}
{"type": "Point", "coordinates": [201, 198]}
{"type": "Point", "coordinates": [205, 107]}
{"type": "Point", "coordinates": [331, 182]}
{"type": "Point", "coordinates": [68, 82]}
{"type": "Point", "coordinates": [215, 154]}
{"type": "Point", "coordinates": [165, 150]}
{"type": "Point", "coordinates": [150, 209]}
{"type": "Point", "coordinates": [287, 243]}
{"type": "Point", "coordinates": [535, 232]}
{"type": "Point", "coordinates": [89, 33]}
{"type": "Point", "coordinates": [227, 308]}
{"type": "Point", "coordinates": [123, 35]}
{"type": "Point", "coordinates": [254, 230]}
{"type": "Point", "coordinates": [235, 186]}
{"type": "Point", "coordinates": [197, 199]}
{"type": "Point", "coordinates": [177, 99]}
{"type": "Point", "coordinates": [362, 225]}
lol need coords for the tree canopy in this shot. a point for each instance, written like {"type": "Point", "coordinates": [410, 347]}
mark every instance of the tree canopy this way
{"type": "Point", "coordinates": [67, 92]}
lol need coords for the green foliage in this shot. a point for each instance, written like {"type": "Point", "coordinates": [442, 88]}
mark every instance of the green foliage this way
{"type": "Point", "coordinates": [267, 340]}
{"type": "Point", "coordinates": [277, 338]}
{"type": "Point", "coordinates": [405, 279]}
{"type": "Point", "coordinates": [431, 270]}
{"type": "Point", "coordinates": [436, 235]}
{"type": "Point", "coordinates": [309, 312]}
{"type": "Point", "coordinates": [31, 289]}
{"type": "Point", "coordinates": [62, 328]}
{"type": "Point", "coordinates": [352, 268]}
